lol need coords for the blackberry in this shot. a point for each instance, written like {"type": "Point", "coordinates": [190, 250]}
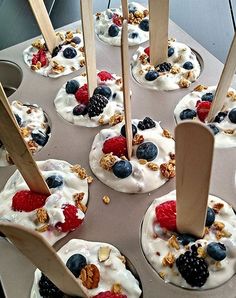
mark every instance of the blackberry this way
{"type": "Point", "coordinates": [146, 123]}
{"type": "Point", "coordinates": [164, 67]}
{"type": "Point", "coordinates": [56, 50]}
{"type": "Point", "coordinates": [47, 289]}
{"type": "Point", "coordinates": [193, 269]}
{"type": "Point", "coordinates": [96, 105]}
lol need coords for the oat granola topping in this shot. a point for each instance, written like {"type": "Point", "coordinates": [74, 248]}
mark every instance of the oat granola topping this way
{"type": "Point", "coordinates": [166, 134]}
{"type": "Point", "coordinates": [168, 260]}
{"type": "Point", "coordinates": [168, 169]}
{"type": "Point", "coordinates": [90, 276]}
{"type": "Point", "coordinates": [200, 88]}
{"type": "Point", "coordinates": [106, 200]}
{"type": "Point", "coordinates": [142, 161]}
{"type": "Point", "coordinates": [153, 166]}
{"type": "Point", "coordinates": [183, 83]}
{"type": "Point", "coordinates": [107, 161]}
{"type": "Point", "coordinates": [42, 215]}
{"type": "Point", "coordinates": [81, 172]}
{"type": "Point", "coordinates": [116, 288]}
{"type": "Point", "coordinates": [25, 132]}
{"type": "Point", "coordinates": [43, 228]}
{"type": "Point", "coordinates": [173, 242]}
{"type": "Point", "coordinates": [138, 139]}
{"type": "Point", "coordinates": [104, 253]}
{"type": "Point", "coordinates": [115, 119]}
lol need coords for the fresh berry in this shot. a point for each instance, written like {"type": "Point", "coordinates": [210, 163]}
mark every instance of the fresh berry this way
{"type": "Point", "coordinates": [114, 95]}
{"type": "Point", "coordinates": [188, 65]}
{"type": "Point", "coordinates": [81, 94]}
{"type": "Point", "coordinates": [71, 219]}
{"type": "Point", "coordinates": [76, 40]}
{"type": "Point", "coordinates": [116, 19]}
{"type": "Point", "coordinates": [103, 90]}
{"type": "Point", "coordinates": [144, 25]}
{"type": "Point", "coordinates": [123, 133]}
{"type": "Point", "coordinates": [147, 151]}
{"type": "Point", "coordinates": [133, 35]}
{"type": "Point", "coordinates": [76, 263]}
{"type": "Point", "coordinates": [56, 50]}
{"type": "Point", "coordinates": [216, 250]}
{"type": "Point", "coordinates": [122, 169]}
{"type": "Point", "coordinates": [96, 105]}
{"type": "Point", "coordinates": [203, 109]}
{"type": "Point", "coordinates": [220, 117]}
{"type": "Point", "coordinates": [170, 51]}
{"type": "Point", "coordinates": [166, 215]}
{"type": "Point", "coordinates": [185, 239]}
{"type": "Point", "coordinates": [146, 123]}
{"type": "Point", "coordinates": [18, 119]}
{"type": "Point", "coordinates": [151, 75]}
{"type": "Point", "coordinates": [72, 86]}
{"type": "Point", "coordinates": [147, 51]}
{"type": "Point", "coordinates": [69, 53]}
{"type": "Point", "coordinates": [232, 115]}
{"type": "Point", "coordinates": [207, 97]}
{"type": "Point", "coordinates": [109, 294]}
{"type": "Point", "coordinates": [40, 57]}
{"type": "Point", "coordinates": [54, 181]}
{"type": "Point", "coordinates": [165, 66]}
{"type": "Point", "coordinates": [80, 110]}
{"type": "Point", "coordinates": [39, 137]}
{"type": "Point", "coordinates": [105, 75]}
{"type": "Point", "coordinates": [215, 130]}
{"type": "Point", "coordinates": [193, 269]}
{"type": "Point", "coordinates": [117, 145]}
{"type": "Point", "coordinates": [210, 218]}
{"type": "Point", "coordinates": [47, 289]}
{"type": "Point", "coordinates": [187, 114]}
{"type": "Point", "coordinates": [27, 200]}
{"type": "Point", "coordinates": [113, 30]}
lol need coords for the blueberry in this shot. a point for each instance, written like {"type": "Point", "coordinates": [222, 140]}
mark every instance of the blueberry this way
{"type": "Point", "coordinates": [170, 51]}
{"type": "Point", "coordinates": [76, 263]}
{"type": "Point", "coordinates": [80, 110]}
{"type": "Point", "coordinates": [133, 35]}
{"type": "Point", "coordinates": [216, 250]}
{"type": "Point", "coordinates": [144, 25]}
{"type": "Point", "coordinates": [220, 117]}
{"type": "Point", "coordinates": [151, 75]}
{"type": "Point", "coordinates": [185, 239]}
{"type": "Point", "coordinates": [134, 130]}
{"type": "Point", "coordinates": [39, 137]}
{"type": "Point", "coordinates": [54, 181]}
{"type": "Point", "coordinates": [76, 40]}
{"type": "Point", "coordinates": [122, 169]}
{"type": "Point", "coordinates": [188, 65]}
{"type": "Point", "coordinates": [113, 30]}
{"type": "Point", "coordinates": [207, 97]}
{"type": "Point", "coordinates": [147, 151]}
{"type": "Point", "coordinates": [214, 129]}
{"type": "Point", "coordinates": [103, 90]}
{"type": "Point", "coordinates": [114, 95]}
{"type": "Point", "coordinates": [187, 114]}
{"type": "Point", "coordinates": [210, 218]}
{"type": "Point", "coordinates": [18, 119]}
{"type": "Point", "coordinates": [72, 86]}
{"type": "Point", "coordinates": [69, 53]}
{"type": "Point", "coordinates": [232, 115]}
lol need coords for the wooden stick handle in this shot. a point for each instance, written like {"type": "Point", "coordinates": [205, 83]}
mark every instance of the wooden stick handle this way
{"type": "Point", "coordinates": [158, 31]}
{"type": "Point", "coordinates": [125, 10]}
{"type": "Point", "coordinates": [224, 83]}
{"type": "Point", "coordinates": [14, 143]}
{"type": "Point", "coordinates": [89, 43]}
{"type": "Point", "coordinates": [41, 15]}
{"type": "Point", "coordinates": [126, 88]}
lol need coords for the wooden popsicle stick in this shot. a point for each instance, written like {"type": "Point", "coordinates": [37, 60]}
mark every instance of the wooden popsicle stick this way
{"type": "Point", "coordinates": [15, 145]}
{"type": "Point", "coordinates": [194, 152]}
{"type": "Point", "coordinates": [224, 82]}
{"type": "Point", "coordinates": [86, 7]}
{"type": "Point", "coordinates": [41, 15]}
{"type": "Point", "coordinates": [126, 88]}
{"type": "Point", "coordinates": [125, 10]}
{"type": "Point", "coordinates": [158, 31]}
{"type": "Point", "coordinates": [43, 256]}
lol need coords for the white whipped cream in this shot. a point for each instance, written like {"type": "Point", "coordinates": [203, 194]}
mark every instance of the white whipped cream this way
{"type": "Point", "coordinates": [155, 248]}
{"type": "Point", "coordinates": [104, 20]}
{"type": "Point", "coordinates": [65, 103]}
{"type": "Point", "coordinates": [226, 137]}
{"type": "Point", "coordinates": [168, 80]}
{"type": "Point", "coordinates": [142, 178]}
{"type": "Point", "coordinates": [61, 195]}
{"type": "Point", "coordinates": [34, 120]}
{"type": "Point", "coordinates": [112, 271]}
{"type": "Point", "coordinates": [69, 65]}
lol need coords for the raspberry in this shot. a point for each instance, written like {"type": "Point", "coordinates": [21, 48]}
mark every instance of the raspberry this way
{"type": "Point", "coordinates": [203, 108]}
{"type": "Point", "coordinates": [147, 51]}
{"type": "Point", "coordinates": [82, 94]}
{"type": "Point", "coordinates": [105, 75]}
{"type": "Point", "coordinates": [166, 215]}
{"type": "Point", "coordinates": [40, 56]}
{"type": "Point", "coordinates": [71, 219]}
{"type": "Point", "coordinates": [117, 145]}
{"type": "Point", "coordinates": [117, 19]}
{"type": "Point", "coordinates": [27, 200]}
{"type": "Point", "coordinates": [35, 59]}
{"type": "Point", "coordinates": [109, 294]}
